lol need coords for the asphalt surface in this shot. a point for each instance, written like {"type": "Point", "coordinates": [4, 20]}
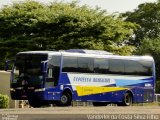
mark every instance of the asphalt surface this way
{"type": "Point", "coordinates": [83, 113]}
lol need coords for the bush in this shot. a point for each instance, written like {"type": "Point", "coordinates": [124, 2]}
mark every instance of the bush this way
{"type": "Point", "coordinates": [4, 101]}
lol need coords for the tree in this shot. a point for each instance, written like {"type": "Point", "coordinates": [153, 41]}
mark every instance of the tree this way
{"type": "Point", "coordinates": [147, 15]}
{"type": "Point", "coordinates": [34, 26]}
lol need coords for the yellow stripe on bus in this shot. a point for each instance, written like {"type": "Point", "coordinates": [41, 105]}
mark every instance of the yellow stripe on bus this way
{"type": "Point", "coordinates": [88, 90]}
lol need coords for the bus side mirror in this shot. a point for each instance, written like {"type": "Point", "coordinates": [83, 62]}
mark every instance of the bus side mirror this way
{"type": "Point", "coordinates": [7, 64]}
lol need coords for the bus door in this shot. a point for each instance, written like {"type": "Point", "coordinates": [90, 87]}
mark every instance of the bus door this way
{"type": "Point", "coordinates": [52, 76]}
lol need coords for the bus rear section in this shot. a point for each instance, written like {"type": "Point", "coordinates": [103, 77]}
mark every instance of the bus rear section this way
{"type": "Point", "coordinates": [109, 79]}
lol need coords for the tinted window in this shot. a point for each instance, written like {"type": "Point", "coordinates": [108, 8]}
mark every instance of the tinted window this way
{"type": "Point", "coordinates": [53, 71]}
{"type": "Point", "coordinates": [30, 63]}
{"type": "Point", "coordinates": [100, 65]}
{"type": "Point", "coordinates": [69, 64]}
{"type": "Point", "coordinates": [116, 66]}
{"type": "Point", "coordinates": [138, 67]}
{"type": "Point", "coordinates": [85, 65]}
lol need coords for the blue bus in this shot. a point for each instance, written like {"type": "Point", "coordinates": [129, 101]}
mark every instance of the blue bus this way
{"type": "Point", "coordinates": [60, 77]}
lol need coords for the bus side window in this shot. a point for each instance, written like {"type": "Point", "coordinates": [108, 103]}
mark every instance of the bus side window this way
{"type": "Point", "coordinates": [85, 65]}
{"type": "Point", "coordinates": [116, 66]}
{"type": "Point", "coordinates": [133, 67]}
{"type": "Point", "coordinates": [101, 65]}
{"type": "Point", "coordinates": [69, 64]}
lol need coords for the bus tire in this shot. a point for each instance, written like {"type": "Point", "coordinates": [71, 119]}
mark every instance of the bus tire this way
{"type": "Point", "coordinates": [127, 100]}
{"type": "Point", "coordinates": [96, 104]}
{"type": "Point", "coordinates": [65, 99]}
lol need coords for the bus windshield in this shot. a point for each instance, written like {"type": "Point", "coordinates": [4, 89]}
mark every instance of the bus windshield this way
{"type": "Point", "coordinates": [28, 69]}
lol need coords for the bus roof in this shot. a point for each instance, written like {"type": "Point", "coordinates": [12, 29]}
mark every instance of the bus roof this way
{"type": "Point", "coordinates": [101, 52]}
{"type": "Point", "coordinates": [147, 58]}
{"type": "Point", "coordinates": [90, 54]}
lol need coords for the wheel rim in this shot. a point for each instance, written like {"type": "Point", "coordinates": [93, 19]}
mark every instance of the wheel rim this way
{"type": "Point", "coordinates": [128, 99]}
{"type": "Point", "coordinates": [64, 99]}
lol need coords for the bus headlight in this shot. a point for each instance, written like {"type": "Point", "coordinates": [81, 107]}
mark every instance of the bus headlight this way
{"type": "Point", "coordinates": [39, 90]}
{"type": "Point", "coordinates": [12, 90]}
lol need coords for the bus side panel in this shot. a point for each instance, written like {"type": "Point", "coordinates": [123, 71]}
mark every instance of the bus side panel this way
{"type": "Point", "coordinates": [84, 91]}
{"type": "Point", "coordinates": [138, 95]}
{"type": "Point", "coordinates": [148, 95]}
{"type": "Point", "coordinates": [52, 93]}
{"type": "Point", "coordinates": [55, 92]}
{"type": "Point", "coordinates": [143, 95]}
{"type": "Point", "coordinates": [105, 97]}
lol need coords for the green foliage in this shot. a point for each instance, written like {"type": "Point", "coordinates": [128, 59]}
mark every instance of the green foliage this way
{"type": "Point", "coordinates": [4, 101]}
{"type": "Point", "coordinates": [157, 86]}
{"type": "Point", "coordinates": [147, 15]}
{"type": "Point", "coordinates": [34, 26]}
{"type": "Point", "coordinates": [123, 50]}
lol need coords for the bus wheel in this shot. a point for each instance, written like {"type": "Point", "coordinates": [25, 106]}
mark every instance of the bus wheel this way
{"type": "Point", "coordinates": [65, 100]}
{"type": "Point", "coordinates": [35, 103]}
{"type": "Point", "coordinates": [100, 103]}
{"type": "Point", "coordinates": [127, 100]}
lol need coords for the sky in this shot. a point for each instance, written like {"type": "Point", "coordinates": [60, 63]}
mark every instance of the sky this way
{"type": "Point", "coordinates": [110, 6]}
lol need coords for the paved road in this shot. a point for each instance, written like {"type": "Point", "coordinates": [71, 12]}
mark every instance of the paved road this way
{"type": "Point", "coordinates": [83, 113]}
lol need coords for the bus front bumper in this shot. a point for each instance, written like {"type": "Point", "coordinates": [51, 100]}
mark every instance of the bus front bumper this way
{"type": "Point", "coordinates": [41, 93]}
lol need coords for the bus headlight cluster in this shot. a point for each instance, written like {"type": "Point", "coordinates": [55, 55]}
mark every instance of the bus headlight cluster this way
{"type": "Point", "coordinates": [39, 90]}
{"type": "Point", "coordinates": [12, 90]}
